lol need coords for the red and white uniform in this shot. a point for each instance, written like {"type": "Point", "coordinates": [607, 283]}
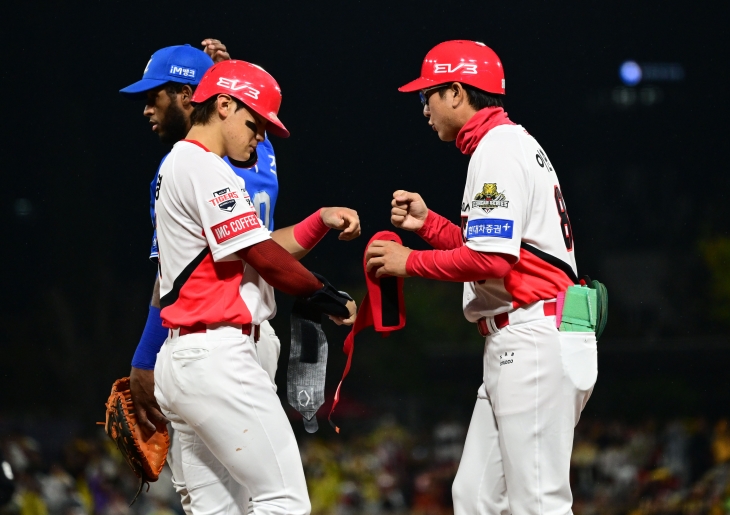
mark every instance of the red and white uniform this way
{"type": "Point", "coordinates": [233, 440]}
{"type": "Point", "coordinates": [516, 458]}
{"type": "Point", "coordinates": [537, 379]}
{"type": "Point", "coordinates": [521, 214]}
{"type": "Point", "coordinates": [204, 216]}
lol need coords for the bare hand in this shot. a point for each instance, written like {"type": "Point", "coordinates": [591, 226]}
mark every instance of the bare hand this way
{"type": "Point", "coordinates": [352, 307]}
{"type": "Point", "coordinates": [142, 389]}
{"type": "Point", "coordinates": [409, 211]}
{"type": "Point", "coordinates": [388, 258]}
{"type": "Point", "coordinates": [343, 219]}
{"type": "Point", "coordinates": [216, 50]}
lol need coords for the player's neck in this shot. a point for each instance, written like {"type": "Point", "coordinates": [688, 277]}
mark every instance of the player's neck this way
{"type": "Point", "coordinates": [209, 136]}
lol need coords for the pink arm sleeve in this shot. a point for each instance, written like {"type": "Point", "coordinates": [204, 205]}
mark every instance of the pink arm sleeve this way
{"type": "Point", "coordinates": [309, 231]}
{"type": "Point", "coordinates": [440, 233]}
{"type": "Point", "coordinates": [461, 265]}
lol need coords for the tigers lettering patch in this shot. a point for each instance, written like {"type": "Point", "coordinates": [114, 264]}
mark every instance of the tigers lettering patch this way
{"type": "Point", "coordinates": [235, 226]}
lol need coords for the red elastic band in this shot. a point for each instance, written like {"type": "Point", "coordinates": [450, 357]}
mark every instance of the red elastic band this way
{"type": "Point", "coordinates": [309, 231]}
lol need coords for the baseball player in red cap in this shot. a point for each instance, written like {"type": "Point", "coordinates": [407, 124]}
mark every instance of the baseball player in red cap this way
{"type": "Point", "coordinates": [235, 440]}
{"type": "Point", "coordinates": [515, 254]}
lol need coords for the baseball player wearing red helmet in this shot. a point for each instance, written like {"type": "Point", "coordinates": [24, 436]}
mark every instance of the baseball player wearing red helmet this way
{"type": "Point", "coordinates": [514, 252]}
{"type": "Point", "coordinates": [169, 81]}
{"type": "Point", "coordinates": [208, 380]}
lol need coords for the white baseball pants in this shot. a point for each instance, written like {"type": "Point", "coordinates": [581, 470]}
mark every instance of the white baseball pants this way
{"type": "Point", "coordinates": [235, 441]}
{"type": "Point", "coordinates": [516, 459]}
{"type": "Point", "coordinates": [268, 349]}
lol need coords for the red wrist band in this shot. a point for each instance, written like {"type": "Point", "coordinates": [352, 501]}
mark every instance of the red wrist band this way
{"type": "Point", "coordinates": [309, 231]}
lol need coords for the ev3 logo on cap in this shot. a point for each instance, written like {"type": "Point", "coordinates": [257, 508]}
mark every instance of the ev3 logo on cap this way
{"type": "Point", "coordinates": [235, 85]}
{"type": "Point", "coordinates": [447, 68]}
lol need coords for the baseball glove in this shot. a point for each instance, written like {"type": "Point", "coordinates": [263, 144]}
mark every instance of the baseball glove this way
{"type": "Point", "coordinates": [145, 455]}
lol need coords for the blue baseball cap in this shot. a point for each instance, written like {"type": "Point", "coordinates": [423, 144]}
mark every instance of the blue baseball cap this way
{"type": "Point", "coordinates": [180, 63]}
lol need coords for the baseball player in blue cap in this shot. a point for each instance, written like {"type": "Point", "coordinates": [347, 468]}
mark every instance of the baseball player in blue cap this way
{"type": "Point", "coordinates": [167, 85]}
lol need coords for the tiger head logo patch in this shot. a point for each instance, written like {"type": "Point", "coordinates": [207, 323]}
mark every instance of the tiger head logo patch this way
{"type": "Point", "coordinates": [489, 198]}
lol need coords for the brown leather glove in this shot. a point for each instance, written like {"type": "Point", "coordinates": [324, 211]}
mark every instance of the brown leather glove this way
{"type": "Point", "coordinates": [145, 455]}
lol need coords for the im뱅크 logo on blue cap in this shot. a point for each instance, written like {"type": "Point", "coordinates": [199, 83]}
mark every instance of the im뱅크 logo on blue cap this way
{"type": "Point", "coordinates": [182, 63]}
{"type": "Point", "coordinates": [182, 72]}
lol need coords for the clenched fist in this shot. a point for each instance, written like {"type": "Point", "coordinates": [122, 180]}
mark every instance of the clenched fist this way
{"type": "Point", "coordinates": [342, 219]}
{"type": "Point", "coordinates": [409, 211]}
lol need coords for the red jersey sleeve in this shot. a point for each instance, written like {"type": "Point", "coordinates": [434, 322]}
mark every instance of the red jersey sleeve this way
{"type": "Point", "coordinates": [461, 265]}
{"type": "Point", "coordinates": [440, 233]}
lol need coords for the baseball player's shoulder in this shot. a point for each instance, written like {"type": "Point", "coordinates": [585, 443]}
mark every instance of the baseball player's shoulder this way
{"type": "Point", "coordinates": [191, 158]}
{"type": "Point", "coordinates": [502, 140]}
{"type": "Point", "coordinates": [505, 135]}
{"type": "Point", "coordinates": [265, 146]}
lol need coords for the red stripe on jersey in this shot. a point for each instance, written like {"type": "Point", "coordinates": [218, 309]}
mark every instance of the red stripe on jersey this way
{"type": "Point", "coordinates": [209, 296]}
{"type": "Point", "coordinates": [196, 143]}
{"type": "Point", "coordinates": [235, 226]}
{"type": "Point", "coordinates": [533, 279]}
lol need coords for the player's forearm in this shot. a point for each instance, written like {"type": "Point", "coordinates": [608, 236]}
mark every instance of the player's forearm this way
{"type": "Point", "coordinates": [440, 233]}
{"type": "Point", "coordinates": [285, 238]}
{"type": "Point", "coordinates": [278, 268]}
{"type": "Point", "coordinates": [299, 239]}
{"type": "Point", "coordinates": [458, 265]}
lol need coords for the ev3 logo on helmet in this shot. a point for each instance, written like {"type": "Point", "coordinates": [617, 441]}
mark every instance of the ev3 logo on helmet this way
{"type": "Point", "coordinates": [235, 85]}
{"type": "Point", "coordinates": [447, 68]}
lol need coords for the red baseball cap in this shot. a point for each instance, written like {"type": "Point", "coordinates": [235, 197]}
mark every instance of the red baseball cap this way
{"type": "Point", "coordinates": [468, 62]}
{"type": "Point", "coordinates": [250, 84]}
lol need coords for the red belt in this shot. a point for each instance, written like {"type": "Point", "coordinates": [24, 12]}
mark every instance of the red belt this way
{"type": "Point", "coordinates": [201, 328]}
{"type": "Point", "coordinates": [502, 320]}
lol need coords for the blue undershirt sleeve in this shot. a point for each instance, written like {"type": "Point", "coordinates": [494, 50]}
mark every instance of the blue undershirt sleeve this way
{"type": "Point", "coordinates": [153, 336]}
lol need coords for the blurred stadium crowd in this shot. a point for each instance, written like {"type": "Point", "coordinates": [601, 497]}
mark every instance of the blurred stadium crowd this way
{"type": "Point", "coordinates": [677, 467]}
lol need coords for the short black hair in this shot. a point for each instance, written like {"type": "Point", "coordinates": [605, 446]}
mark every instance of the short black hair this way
{"type": "Point", "coordinates": [204, 111]}
{"type": "Point", "coordinates": [478, 98]}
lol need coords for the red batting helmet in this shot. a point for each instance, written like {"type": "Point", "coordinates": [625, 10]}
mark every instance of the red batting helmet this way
{"type": "Point", "coordinates": [469, 62]}
{"type": "Point", "coordinates": [250, 84]}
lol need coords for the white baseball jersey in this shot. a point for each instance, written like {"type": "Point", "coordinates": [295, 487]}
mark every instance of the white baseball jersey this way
{"type": "Point", "coordinates": [513, 205]}
{"type": "Point", "coordinates": [204, 216]}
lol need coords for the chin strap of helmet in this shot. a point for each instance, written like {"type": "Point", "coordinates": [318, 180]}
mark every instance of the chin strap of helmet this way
{"type": "Point", "coordinates": [245, 164]}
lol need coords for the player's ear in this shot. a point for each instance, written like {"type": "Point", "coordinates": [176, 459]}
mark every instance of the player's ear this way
{"type": "Point", "coordinates": [459, 95]}
{"type": "Point", "coordinates": [186, 95]}
{"type": "Point", "coordinates": [226, 106]}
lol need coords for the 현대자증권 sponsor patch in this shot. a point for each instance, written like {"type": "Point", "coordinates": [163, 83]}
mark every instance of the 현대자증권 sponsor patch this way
{"type": "Point", "coordinates": [235, 226]}
{"type": "Point", "coordinates": [489, 227]}
{"type": "Point", "coordinates": [489, 198]}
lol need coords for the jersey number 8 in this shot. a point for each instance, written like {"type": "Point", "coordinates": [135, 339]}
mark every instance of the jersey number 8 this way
{"type": "Point", "coordinates": [565, 226]}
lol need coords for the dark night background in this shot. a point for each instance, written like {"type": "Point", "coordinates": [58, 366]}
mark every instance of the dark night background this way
{"type": "Point", "coordinates": [643, 170]}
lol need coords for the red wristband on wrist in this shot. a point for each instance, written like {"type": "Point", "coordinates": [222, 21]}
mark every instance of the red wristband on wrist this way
{"type": "Point", "coordinates": [309, 231]}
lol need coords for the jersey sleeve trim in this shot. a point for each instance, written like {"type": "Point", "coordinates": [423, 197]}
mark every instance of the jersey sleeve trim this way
{"type": "Point", "coordinates": [237, 244]}
{"type": "Point", "coordinates": [496, 248]}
